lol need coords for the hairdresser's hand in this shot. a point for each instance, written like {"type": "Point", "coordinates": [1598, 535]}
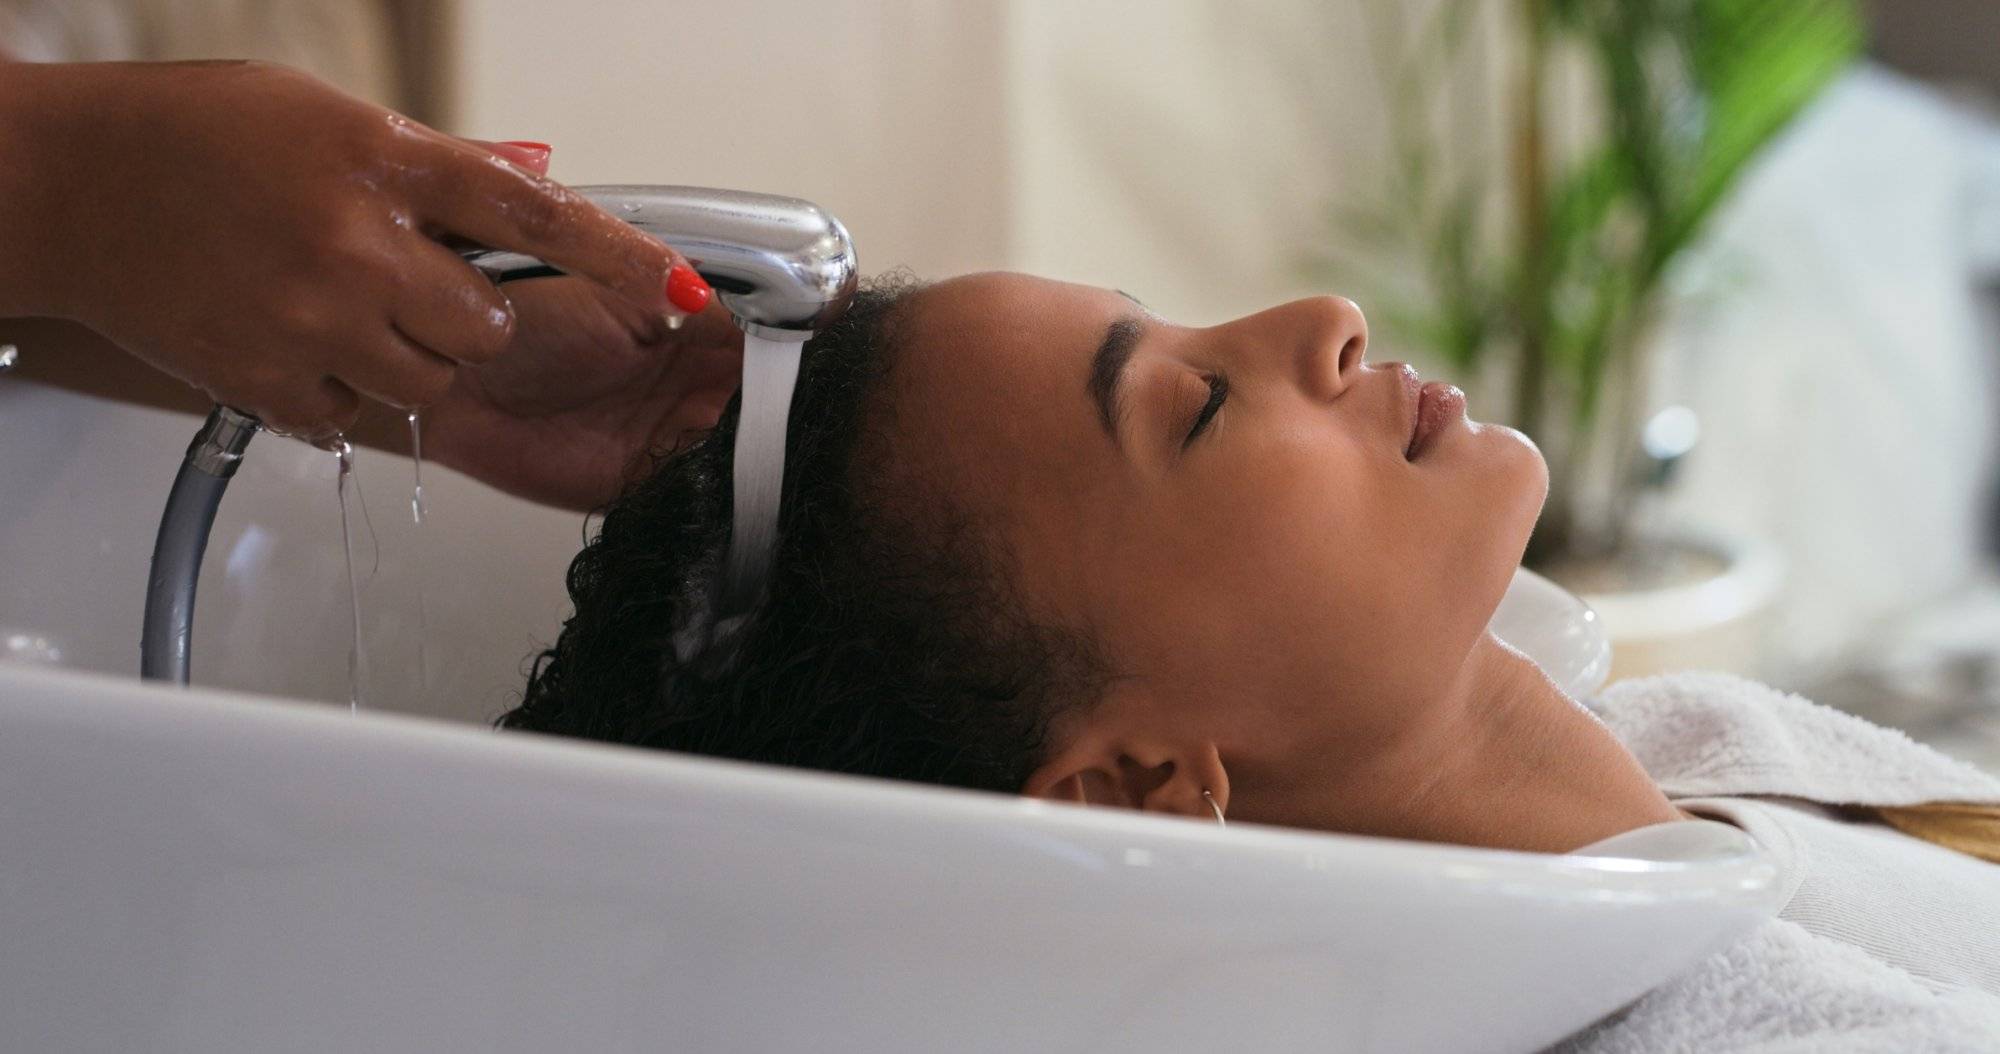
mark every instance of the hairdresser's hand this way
{"type": "Point", "coordinates": [588, 392]}
{"type": "Point", "coordinates": [278, 244]}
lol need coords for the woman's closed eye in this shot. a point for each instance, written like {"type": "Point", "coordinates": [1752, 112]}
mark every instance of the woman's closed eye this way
{"type": "Point", "coordinates": [1218, 393]}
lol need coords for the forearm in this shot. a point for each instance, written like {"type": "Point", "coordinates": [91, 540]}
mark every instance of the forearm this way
{"type": "Point", "coordinates": [67, 355]}
{"type": "Point", "coordinates": [28, 173]}
{"type": "Point", "coordinates": [53, 350]}
{"type": "Point", "coordinates": [16, 184]}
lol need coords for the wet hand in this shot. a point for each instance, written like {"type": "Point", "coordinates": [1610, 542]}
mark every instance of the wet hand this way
{"type": "Point", "coordinates": [588, 391]}
{"type": "Point", "coordinates": [280, 245]}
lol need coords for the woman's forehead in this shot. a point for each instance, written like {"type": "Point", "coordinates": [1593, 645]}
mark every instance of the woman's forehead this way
{"type": "Point", "coordinates": [995, 339]}
{"type": "Point", "coordinates": [1007, 300]}
{"type": "Point", "coordinates": [992, 373]}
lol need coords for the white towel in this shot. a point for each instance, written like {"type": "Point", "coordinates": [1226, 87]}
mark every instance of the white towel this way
{"type": "Point", "coordinates": [1784, 991]}
{"type": "Point", "coordinates": [1704, 734]}
{"type": "Point", "coordinates": [1886, 944]}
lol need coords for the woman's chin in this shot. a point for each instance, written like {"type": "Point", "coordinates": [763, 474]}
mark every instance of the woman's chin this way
{"type": "Point", "coordinates": [1515, 453]}
{"type": "Point", "coordinates": [1514, 481]}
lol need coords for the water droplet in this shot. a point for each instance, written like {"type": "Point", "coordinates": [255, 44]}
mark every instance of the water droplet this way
{"type": "Point", "coordinates": [675, 320]}
{"type": "Point", "coordinates": [416, 469]}
{"type": "Point", "coordinates": [9, 355]}
{"type": "Point", "coordinates": [357, 656]}
{"type": "Point", "coordinates": [417, 518]}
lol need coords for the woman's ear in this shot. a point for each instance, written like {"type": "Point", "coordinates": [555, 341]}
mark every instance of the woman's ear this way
{"type": "Point", "coordinates": [1075, 778]}
{"type": "Point", "coordinates": [1149, 775]}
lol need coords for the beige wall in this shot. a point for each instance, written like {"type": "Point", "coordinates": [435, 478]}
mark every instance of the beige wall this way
{"type": "Point", "coordinates": [1183, 151]}
{"type": "Point", "coordinates": [887, 112]}
{"type": "Point", "coordinates": [344, 41]}
{"type": "Point", "coordinates": [1188, 152]}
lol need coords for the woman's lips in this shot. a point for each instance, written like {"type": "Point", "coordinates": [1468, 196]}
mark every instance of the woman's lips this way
{"type": "Point", "coordinates": [1438, 404]}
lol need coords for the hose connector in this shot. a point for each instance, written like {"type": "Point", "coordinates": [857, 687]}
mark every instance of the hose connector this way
{"type": "Point", "coordinates": [218, 448]}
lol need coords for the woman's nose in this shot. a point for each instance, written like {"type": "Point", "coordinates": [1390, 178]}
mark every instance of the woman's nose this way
{"type": "Point", "coordinates": [1332, 338]}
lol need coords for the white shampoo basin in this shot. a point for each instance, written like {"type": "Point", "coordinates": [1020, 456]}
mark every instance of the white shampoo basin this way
{"type": "Point", "coordinates": [200, 871]}
{"type": "Point", "coordinates": [197, 871]}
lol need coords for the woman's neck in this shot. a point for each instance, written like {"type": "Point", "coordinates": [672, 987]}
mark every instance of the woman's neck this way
{"type": "Point", "coordinates": [1513, 763]}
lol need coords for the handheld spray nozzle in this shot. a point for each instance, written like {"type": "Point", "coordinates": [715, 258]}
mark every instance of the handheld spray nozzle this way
{"type": "Point", "coordinates": [784, 268]}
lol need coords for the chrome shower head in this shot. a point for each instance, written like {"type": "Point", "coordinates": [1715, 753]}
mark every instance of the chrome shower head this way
{"type": "Point", "coordinates": [783, 267]}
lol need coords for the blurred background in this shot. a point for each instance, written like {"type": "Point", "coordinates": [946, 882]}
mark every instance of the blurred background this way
{"type": "Point", "coordinates": [1735, 265]}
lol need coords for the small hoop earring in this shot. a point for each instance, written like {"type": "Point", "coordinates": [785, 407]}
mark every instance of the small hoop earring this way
{"type": "Point", "coordinates": [1219, 821]}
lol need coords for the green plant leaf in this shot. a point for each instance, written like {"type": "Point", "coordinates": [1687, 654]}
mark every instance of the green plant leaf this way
{"type": "Point", "coordinates": [1689, 91]}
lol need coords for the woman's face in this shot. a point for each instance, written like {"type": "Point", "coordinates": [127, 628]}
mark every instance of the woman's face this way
{"type": "Point", "coordinates": [1236, 515]}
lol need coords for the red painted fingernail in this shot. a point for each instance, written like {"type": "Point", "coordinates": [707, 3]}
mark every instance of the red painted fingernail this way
{"type": "Point", "coordinates": [687, 290]}
{"type": "Point", "coordinates": [533, 156]}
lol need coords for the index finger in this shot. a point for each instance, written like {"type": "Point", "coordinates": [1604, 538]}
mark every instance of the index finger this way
{"type": "Point", "coordinates": [479, 196]}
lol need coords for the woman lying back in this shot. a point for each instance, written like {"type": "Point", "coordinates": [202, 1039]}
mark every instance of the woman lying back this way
{"type": "Point", "coordinates": [1038, 540]}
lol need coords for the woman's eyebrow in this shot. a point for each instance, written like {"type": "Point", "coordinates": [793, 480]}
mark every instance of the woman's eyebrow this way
{"type": "Point", "coordinates": [1107, 370]}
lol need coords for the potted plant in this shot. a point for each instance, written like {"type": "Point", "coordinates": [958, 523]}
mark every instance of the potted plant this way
{"type": "Point", "coordinates": [1550, 163]}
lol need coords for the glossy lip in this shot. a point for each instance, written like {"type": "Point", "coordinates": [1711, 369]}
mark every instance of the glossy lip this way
{"type": "Point", "coordinates": [1436, 404]}
{"type": "Point", "coordinates": [1413, 398]}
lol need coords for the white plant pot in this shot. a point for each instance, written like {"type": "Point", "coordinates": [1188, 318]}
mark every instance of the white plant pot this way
{"type": "Point", "coordinates": [1711, 612]}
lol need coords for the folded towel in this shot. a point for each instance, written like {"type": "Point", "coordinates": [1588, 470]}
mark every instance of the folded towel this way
{"type": "Point", "coordinates": [1703, 734]}
{"type": "Point", "coordinates": [1885, 942]}
{"type": "Point", "coordinates": [1783, 990]}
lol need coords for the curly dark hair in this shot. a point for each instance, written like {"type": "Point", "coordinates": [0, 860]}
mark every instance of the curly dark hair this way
{"type": "Point", "coordinates": [890, 642]}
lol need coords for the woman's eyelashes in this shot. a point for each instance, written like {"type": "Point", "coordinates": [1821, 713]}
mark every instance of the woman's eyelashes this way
{"type": "Point", "coordinates": [1218, 393]}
